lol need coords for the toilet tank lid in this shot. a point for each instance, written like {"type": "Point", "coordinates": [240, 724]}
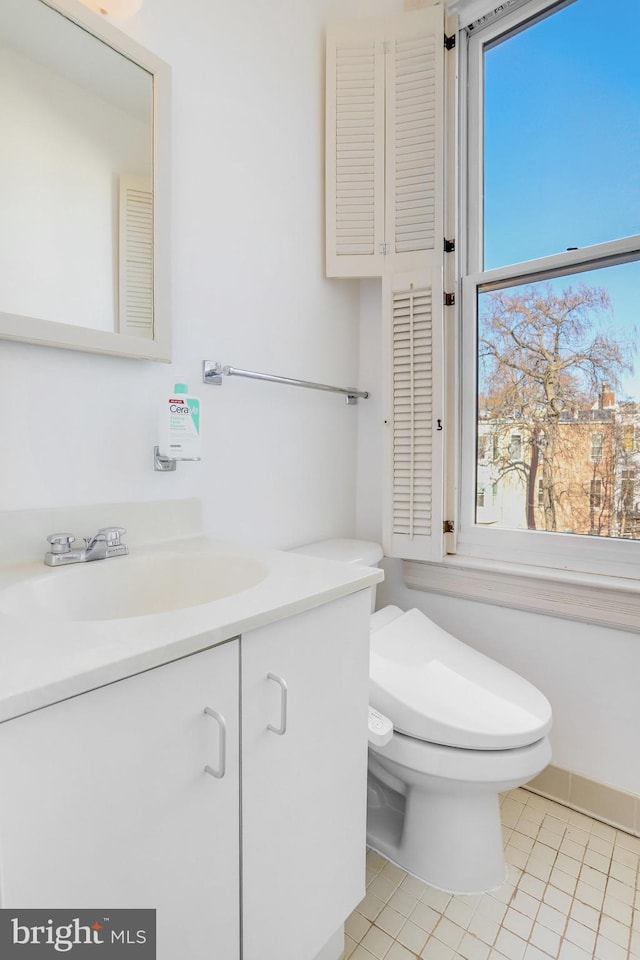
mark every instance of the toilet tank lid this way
{"type": "Point", "coordinates": [365, 553]}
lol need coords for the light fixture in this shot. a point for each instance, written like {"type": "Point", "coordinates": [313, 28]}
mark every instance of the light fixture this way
{"type": "Point", "coordinates": [121, 9]}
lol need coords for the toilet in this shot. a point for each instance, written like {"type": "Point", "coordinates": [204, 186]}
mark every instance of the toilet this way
{"type": "Point", "coordinates": [465, 729]}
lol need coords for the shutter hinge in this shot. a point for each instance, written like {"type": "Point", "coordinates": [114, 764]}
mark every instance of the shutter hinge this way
{"type": "Point", "coordinates": [449, 245]}
{"type": "Point", "coordinates": [449, 42]}
{"type": "Point", "coordinates": [448, 527]}
{"type": "Point", "coordinates": [384, 249]}
{"type": "Point", "coordinates": [449, 299]}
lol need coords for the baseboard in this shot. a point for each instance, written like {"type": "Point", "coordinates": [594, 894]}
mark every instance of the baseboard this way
{"type": "Point", "coordinates": [599, 800]}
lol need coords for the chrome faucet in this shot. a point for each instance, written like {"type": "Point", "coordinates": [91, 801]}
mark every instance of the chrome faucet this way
{"type": "Point", "coordinates": [106, 543]}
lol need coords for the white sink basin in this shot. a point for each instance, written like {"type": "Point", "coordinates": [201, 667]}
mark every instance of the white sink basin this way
{"type": "Point", "coordinates": [133, 586]}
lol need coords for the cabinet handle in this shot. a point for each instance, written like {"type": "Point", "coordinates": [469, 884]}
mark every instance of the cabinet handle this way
{"type": "Point", "coordinates": [283, 705]}
{"type": "Point", "coordinates": [222, 744]}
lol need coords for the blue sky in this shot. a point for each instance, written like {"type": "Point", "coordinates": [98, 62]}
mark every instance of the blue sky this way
{"type": "Point", "coordinates": [562, 144]}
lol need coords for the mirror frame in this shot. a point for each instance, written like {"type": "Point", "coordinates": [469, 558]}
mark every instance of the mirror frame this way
{"type": "Point", "coordinates": [74, 337]}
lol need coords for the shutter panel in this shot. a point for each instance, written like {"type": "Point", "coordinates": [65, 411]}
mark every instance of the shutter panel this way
{"type": "Point", "coordinates": [384, 142]}
{"type": "Point", "coordinates": [414, 402]}
{"type": "Point", "coordinates": [414, 143]}
{"type": "Point", "coordinates": [135, 314]}
{"type": "Point", "coordinates": [355, 150]}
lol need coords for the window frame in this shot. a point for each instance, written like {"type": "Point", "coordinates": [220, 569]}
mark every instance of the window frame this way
{"type": "Point", "coordinates": [571, 552]}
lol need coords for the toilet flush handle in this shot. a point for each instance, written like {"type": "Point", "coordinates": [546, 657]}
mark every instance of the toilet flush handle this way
{"type": "Point", "coordinates": [283, 705]}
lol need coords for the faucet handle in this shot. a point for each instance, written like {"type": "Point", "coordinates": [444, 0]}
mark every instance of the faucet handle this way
{"type": "Point", "coordinates": [111, 535]}
{"type": "Point", "coordinates": [60, 542]}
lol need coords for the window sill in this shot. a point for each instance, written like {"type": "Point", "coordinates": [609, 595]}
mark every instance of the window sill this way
{"type": "Point", "coordinates": [604, 601]}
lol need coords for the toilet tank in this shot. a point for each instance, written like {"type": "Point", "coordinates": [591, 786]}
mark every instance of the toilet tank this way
{"type": "Point", "coordinates": [363, 553]}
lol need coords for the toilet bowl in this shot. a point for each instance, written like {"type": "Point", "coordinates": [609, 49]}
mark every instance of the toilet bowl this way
{"type": "Point", "coordinates": [465, 729]}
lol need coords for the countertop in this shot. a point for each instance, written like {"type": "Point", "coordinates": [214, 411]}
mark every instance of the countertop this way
{"type": "Point", "coordinates": [45, 660]}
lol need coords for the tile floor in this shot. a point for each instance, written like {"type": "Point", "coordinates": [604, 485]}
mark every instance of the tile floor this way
{"type": "Point", "coordinates": [571, 894]}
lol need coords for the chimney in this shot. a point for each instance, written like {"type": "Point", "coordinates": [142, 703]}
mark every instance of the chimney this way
{"type": "Point", "coordinates": [607, 397]}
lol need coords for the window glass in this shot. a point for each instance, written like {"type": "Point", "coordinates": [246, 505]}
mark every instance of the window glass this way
{"type": "Point", "coordinates": [559, 402]}
{"type": "Point", "coordinates": [562, 133]}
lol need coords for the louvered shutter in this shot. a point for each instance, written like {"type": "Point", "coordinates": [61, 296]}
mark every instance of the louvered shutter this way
{"type": "Point", "coordinates": [135, 313]}
{"type": "Point", "coordinates": [384, 143]}
{"type": "Point", "coordinates": [355, 150]}
{"type": "Point", "coordinates": [413, 370]}
{"type": "Point", "coordinates": [414, 141]}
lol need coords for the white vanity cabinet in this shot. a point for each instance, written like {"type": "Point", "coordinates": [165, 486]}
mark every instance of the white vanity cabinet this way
{"type": "Point", "coordinates": [105, 801]}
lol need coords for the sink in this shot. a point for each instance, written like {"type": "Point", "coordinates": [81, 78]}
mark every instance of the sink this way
{"type": "Point", "coordinates": [133, 586]}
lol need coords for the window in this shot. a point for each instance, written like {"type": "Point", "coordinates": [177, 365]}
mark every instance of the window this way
{"type": "Point", "coordinates": [550, 281]}
{"type": "Point", "coordinates": [627, 491]}
{"type": "Point", "coordinates": [597, 443]}
{"type": "Point", "coordinates": [515, 447]}
{"type": "Point", "coordinates": [629, 436]}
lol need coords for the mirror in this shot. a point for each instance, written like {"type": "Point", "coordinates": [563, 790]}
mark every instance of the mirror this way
{"type": "Point", "coordinates": [83, 183]}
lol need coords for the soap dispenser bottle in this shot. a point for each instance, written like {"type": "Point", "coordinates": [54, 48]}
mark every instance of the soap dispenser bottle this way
{"type": "Point", "coordinates": [180, 425]}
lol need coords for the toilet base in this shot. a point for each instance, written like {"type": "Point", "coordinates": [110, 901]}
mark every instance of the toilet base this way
{"type": "Point", "coordinates": [453, 842]}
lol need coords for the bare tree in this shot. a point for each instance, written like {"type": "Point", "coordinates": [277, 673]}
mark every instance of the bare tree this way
{"type": "Point", "coordinates": [543, 357]}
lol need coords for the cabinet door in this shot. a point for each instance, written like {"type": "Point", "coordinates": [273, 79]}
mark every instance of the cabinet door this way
{"type": "Point", "coordinates": [104, 802]}
{"type": "Point", "coordinates": [304, 790]}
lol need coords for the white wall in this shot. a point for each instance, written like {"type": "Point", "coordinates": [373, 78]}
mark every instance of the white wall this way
{"type": "Point", "coordinates": [591, 675]}
{"type": "Point", "coordinates": [248, 289]}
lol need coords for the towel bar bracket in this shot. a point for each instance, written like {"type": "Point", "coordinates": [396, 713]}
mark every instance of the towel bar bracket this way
{"type": "Point", "coordinates": [212, 372]}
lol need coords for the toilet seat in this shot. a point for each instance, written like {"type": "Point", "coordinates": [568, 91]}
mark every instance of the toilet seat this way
{"type": "Point", "coordinates": [480, 767]}
{"type": "Point", "coordinates": [437, 689]}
